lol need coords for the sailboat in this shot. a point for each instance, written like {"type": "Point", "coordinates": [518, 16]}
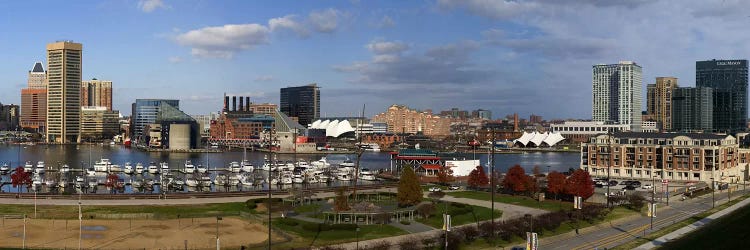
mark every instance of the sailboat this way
{"type": "Point", "coordinates": [246, 165]}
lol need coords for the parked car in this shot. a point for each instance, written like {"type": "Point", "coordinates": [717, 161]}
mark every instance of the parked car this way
{"type": "Point", "coordinates": [613, 183]}
{"type": "Point", "coordinates": [629, 187]}
{"type": "Point", "coordinates": [454, 187]}
{"type": "Point", "coordinates": [647, 186]}
{"type": "Point", "coordinates": [635, 184]}
{"type": "Point", "coordinates": [434, 189]}
{"type": "Point", "coordinates": [625, 183]}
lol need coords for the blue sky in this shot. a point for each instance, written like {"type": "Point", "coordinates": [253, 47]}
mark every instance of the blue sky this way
{"type": "Point", "coordinates": [507, 56]}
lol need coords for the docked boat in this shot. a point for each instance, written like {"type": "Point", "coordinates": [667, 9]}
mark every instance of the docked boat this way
{"type": "Point", "coordinates": [136, 183]}
{"type": "Point", "coordinates": [50, 183]}
{"type": "Point", "coordinates": [234, 167]}
{"type": "Point", "coordinates": [90, 172]}
{"type": "Point", "coordinates": [115, 168]}
{"type": "Point", "coordinates": [40, 168]}
{"type": "Point", "coordinates": [322, 163]}
{"type": "Point", "coordinates": [366, 175]}
{"type": "Point", "coordinates": [221, 180]}
{"type": "Point", "coordinates": [189, 167]}
{"type": "Point", "coordinates": [139, 168]}
{"type": "Point", "coordinates": [246, 166]}
{"type": "Point", "coordinates": [4, 169]}
{"type": "Point", "coordinates": [28, 167]}
{"type": "Point", "coordinates": [36, 180]}
{"type": "Point", "coordinates": [93, 182]}
{"type": "Point", "coordinates": [233, 180]}
{"type": "Point", "coordinates": [164, 167]}
{"type": "Point", "coordinates": [347, 163]}
{"type": "Point", "coordinates": [302, 164]}
{"type": "Point", "coordinates": [201, 169]}
{"type": "Point", "coordinates": [286, 179]}
{"type": "Point", "coordinates": [191, 182]}
{"type": "Point", "coordinates": [128, 169]}
{"type": "Point", "coordinates": [152, 168]}
{"type": "Point", "coordinates": [65, 169]}
{"type": "Point", "coordinates": [320, 176]}
{"type": "Point", "coordinates": [102, 165]}
{"type": "Point", "coordinates": [246, 179]}
{"type": "Point", "coordinates": [178, 182]}
{"type": "Point", "coordinates": [269, 166]}
{"type": "Point", "coordinates": [371, 147]}
{"type": "Point", "coordinates": [206, 181]}
{"type": "Point", "coordinates": [342, 176]}
{"type": "Point", "coordinates": [274, 181]}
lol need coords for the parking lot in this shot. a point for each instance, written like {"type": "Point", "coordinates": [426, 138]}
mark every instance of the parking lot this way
{"type": "Point", "coordinates": [645, 188]}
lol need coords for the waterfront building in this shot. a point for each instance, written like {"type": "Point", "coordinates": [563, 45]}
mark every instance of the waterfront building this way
{"type": "Point", "coordinates": [99, 123]}
{"type": "Point", "coordinates": [96, 93]}
{"type": "Point", "coordinates": [379, 127]}
{"type": "Point", "coordinates": [9, 117]}
{"type": "Point", "coordinates": [144, 112]}
{"type": "Point", "coordinates": [672, 156]}
{"type": "Point", "coordinates": [402, 119]}
{"type": "Point", "coordinates": [34, 100]}
{"type": "Point", "coordinates": [264, 108]}
{"type": "Point", "coordinates": [204, 122]}
{"type": "Point", "coordinates": [659, 101]}
{"type": "Point", "coordinates": [535, 119]}
{"type": "Point", "coordinates": [172, 129]}
{"type": "Point", "coordinates": [64, 71]}
{"type": "Point", "coordinates": [302, 103]}
{"type": "Point", "coordinates": [617, 93]}
{"type": "Point", "coordinates": [728, 79]}
{"type": "Point", "coordinates": [583, 131]}
{"type": "Point", "coordinates": [692, 109]}
{"type": "Point", "coordinates": [482, 114]}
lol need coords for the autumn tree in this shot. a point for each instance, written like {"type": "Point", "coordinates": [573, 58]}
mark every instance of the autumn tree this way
{"type": "Point", "coordinates": [477, 178]}
{"type": "Point", "coordinates": [580, 184]}
{"type": "Point", "coordinates": [516, 180]}
{"type": "Point", "coordinates": [536, 171]}
{"type": "Point", "coordinates": [341, 202]}
{"type": "Point", "coordinates": [111, 183]}
{"type": "Point", "coordinates": [555, 183]}
{"type": "Point", "coordinates": [409, 190]}
{"type": "Point", "coordinates": [20, 178]}
{"type": "Point", "coordinates": [445, 175]}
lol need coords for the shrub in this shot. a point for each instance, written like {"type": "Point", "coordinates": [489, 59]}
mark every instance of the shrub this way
{"type": "Point", "coordinates": [470, 233]}
{"type": "Point", "coordinates": [405, 222]}
{"type": "Point", "coordinates": [380, 245]}
{"type": "Point", "coordinates": [409, 244]}
{"type": "Point", "coordinates": [454, 240]}
{"type": "Point", "coordinates": [429, 241]}
{"type": "Point", "coordinates": [426, 210]}
{"type": "Point", "coordinates": [635, 202]}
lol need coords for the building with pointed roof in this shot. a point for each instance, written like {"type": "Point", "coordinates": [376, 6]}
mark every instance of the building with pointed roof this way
{"type": "Point", "coordinates": [34, 100]}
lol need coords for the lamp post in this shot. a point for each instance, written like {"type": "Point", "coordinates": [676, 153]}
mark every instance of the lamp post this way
{"type": "Point", "coordinates": [218, 218]}
{"type": "Point", "coordinates": [80, 223]}
{"type": "Point", "coordinates": [356, 235]}
{"type": "Point", "coordinates": [609, 159]}
{"type": "Point", "coordinates": [653, 193]}
{"type": "Point", "coordinates": [491, 161]}
{"type": "Point", "coordinates": [24, 231]}
{"type": "Point", "coordinates": [713, 194]}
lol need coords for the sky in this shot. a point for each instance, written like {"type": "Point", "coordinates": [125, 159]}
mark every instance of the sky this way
{"type": "Point", "coordinates": [524, 57]}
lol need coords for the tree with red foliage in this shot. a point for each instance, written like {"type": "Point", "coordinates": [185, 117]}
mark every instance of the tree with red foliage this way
{"type": "Point", "coordinates": [556, 183]}
{"type": "Point", "coordinates": [445, 175]}
{"type": "Point", "coordinates": [516, 180]}
{"type": "Point", "coordinates": [478, 178]}
{"type": "Point", "coordinates": [580, 184]}
{"type": "Point", "coordinates": [20, 178]}
{"type": "Point", "coordinates": [111, 183]}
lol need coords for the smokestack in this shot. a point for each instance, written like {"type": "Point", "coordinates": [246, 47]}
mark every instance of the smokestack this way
{"type": "Point", "coordinates": [515, 122]}
{"type": "Point", "coordinates": [247, 103]}
{"type": "Point", "coordinates": [226, 103]}
{"type": "Point", "coordinates": [242, 106]}
{"type": "Point", "coordinates": [234, 103]}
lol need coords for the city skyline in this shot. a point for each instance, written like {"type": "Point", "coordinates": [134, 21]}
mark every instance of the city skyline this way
{"type": "Point", "coordinates": [508, 57]}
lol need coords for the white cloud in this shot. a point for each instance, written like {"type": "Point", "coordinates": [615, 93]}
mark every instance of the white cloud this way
{"type": "Point", "coordinates": [288, 22]}
{"type": "Point", "coordinates": [385, 47]}
{"type": "Point", "coordinates": [223, 41]}
{"type": "Point", "coordinates": [265, 78]}
{"type": "Point", "coordinates": [386, 22]}
{"type": "Point", "coordinates": [325, 21]}
{"type": "Point", "coordinates": [175, 59]}
{"type": "Point", "coordinates": [151, 5]}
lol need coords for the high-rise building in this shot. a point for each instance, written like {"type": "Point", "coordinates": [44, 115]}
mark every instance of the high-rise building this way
{"type": "Point", "coordinates": [64, 91]}
{"type": "Point", "coordinates": [144, 112]}
{"type": "Point", "coordinates": [402, 119]}
{"type": "Point", "coordinates": [9, 117]}
{"type": "Point", "coordinates": [482, 114]}
{"type": "Point", "coordinates": [692, 109]}
{"type": "Point", "coordinates": [34, 100]}
{"type": "Point", "coordinates": [98, 123]}
{"type": "Point", "coordinates": [659, 101]}
{"type": "Point", "coordinates": [617, 93]}
{"type": "Point", "coordinates": [302, 102]}
{"type": "Point", "coordinates": [96, 93]}
{"type": "Point", "coordinates": [263, 108]}
{"type": "Point", "coordinates": [728, 79]}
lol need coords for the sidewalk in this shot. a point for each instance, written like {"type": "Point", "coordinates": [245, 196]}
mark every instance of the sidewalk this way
{"type": "Point", "coordinates": [689, 228]}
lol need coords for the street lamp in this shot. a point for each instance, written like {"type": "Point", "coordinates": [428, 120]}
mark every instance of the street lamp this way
{"type": "Point", "coordinates": [653, 193]}
{"type": "Point", "coordinates": [218, 218]}
{"type": "Point", "coordinates": [713, 194]}
{"type": "Point", "coordinates": [356, 235]}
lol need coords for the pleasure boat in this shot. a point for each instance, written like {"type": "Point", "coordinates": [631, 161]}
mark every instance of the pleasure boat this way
{"type": "Point", "coordinates": [90, 172]}
{"type": "Point", "coordinates": [343, 176]}
{"type": "Point", "coordinates": [152, 168]}
{"type": "Point", "coordinates": [93, 182]}
{"type": "Point", "coordinates": [201, 169]}
{"type": "Point", "coordinates": [164, 167]}
{"type": "Point", "coordinates": [5, 169]}
{"type": "Point", "coordinates": [220, 180]}
{"type": "Point", "coordinates": [246, 166]}
{"type": "Point", "coordinates": [136, 183]}
{"type": "Point", "coordinates": [139, 168]}
{"type": "Point", "coordinates": [269, 166]}
{"type": "Point", "coordinates": [39, 167]}
{"type": "Point", "coordinates": [233, 180]}
{"type": "Point", "coordinates": [286, 179]}
{"type": "Point", "coordinates": [36, 180]}
{"type": "Point", "coordinates": [246, 179]}
{"type": "Point", "coordinates": [65, 169]}
{"type": "Point", "coordinates": [234, 167]}
{"type": "Point", "coordinates": [322, 163]}
{"type": "Point", "coordinates": [320, 176]}
{"type": "Point", "coordinates": [128, 168]}
{"type": "Point", "coordinates": [50, 182]}
{"type": "Point", "coordinates": [302, 164]}
{"type": "Point", "coordinates": [298, 180]}
{"type": "Point", "coordinates": [367, 176]}
{"type": "Point", "coordinates": [274, 181]}
{"type": "Point", "coordinates": [102, 165]}
{"type": "Point", "coordinates": [189, 167]}
{"type": "Point", "coordinates": [115, 168]}
{"type": "Point", "coordinates": [372, 147]}
{"type": "Point", "coordinates": [28, 167]}
{"type": "Point", "coordinates": [191, 182]}
{"type": "Point", "coordinates": [178, 182]}
{"type": "Point", "coordinates": [206, 181]}
{"type": "Point", "coordinates": [347, 163]}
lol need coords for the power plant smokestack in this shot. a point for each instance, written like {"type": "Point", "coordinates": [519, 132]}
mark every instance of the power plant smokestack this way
{"type": "Point", "coordinates": [247, 103]}
{"type": "Point", "coordinates": [242, 107]}
{"type": "Point", "coordinates": [234, 103]}
{"type": "Point", "coordinates": [226, 103]}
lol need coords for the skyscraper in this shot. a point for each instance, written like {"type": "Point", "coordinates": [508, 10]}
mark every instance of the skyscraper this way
{"type": "Point", "coordinates": [63, 91]}
{"type": "Point", "coordinates": [145, 111]}
{"type": "Point", "coordinates": [659, 101]}
{"type": "Point", "coordinates": [302, 102]}
{"type": "Point", "coordinates": [34, 99]}
{"type": "Point", "coordinates": [728, 79]}
{"type": "Point", "coordinates": [692, 109]}
{"type": "Point", "coordinates": [617, 93]}
{"type": "Point", "coordinates": [96, 93]}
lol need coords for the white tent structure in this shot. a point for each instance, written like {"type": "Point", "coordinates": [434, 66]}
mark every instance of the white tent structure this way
{"type": "Point", "coordinates": [333, 128]}
{"type": "Point", "coordinates": [536, 139]}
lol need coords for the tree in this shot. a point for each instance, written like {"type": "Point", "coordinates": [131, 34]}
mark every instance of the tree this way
{"type": "Point", "coordinates": [556, 183]}
{"type": "Point", "coordinates": [340, 202]}
{"type": "Point", "coordinates": [111, 183]}
{"type": "Point", "coordinates": [516, 180]}
{"type": "Point", "coordinates": [580, 184]}
{"type": "Point", "coordinates": [409, 190]}
{"type": "Point", "coordinates": [477, 178]}
{"type": "Point", "coordinates": [536, 171]}
{"type": "Point", "coordinates": [20, 178]}
{"type": "Point", "coordinates": [445, 175]}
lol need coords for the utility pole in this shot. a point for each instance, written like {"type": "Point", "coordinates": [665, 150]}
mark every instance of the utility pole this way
{"type": "Point", "coordinates": [491, 161]}
{"type": "Point", "coordinates": [653, 192]}
{"type": "Point", "coordinates": [270, 153]}
{"type": "Point", "coordinates": [609, 160]}
{"type": "Point", "coordinates": [360, 150]}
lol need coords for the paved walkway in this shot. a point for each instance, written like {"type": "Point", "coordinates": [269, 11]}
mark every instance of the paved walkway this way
{"type": "Point", "coordinates": [510, 211]}
{"type": "Point", "coordinates": [692, 227]}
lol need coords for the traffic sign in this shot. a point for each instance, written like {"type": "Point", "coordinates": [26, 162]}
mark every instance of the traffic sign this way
{"type": "Point", "coordinates": [665, 181]}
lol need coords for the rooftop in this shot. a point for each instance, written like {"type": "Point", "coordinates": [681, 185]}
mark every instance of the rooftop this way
{"type": "Point", "coordinates": [708, 136]}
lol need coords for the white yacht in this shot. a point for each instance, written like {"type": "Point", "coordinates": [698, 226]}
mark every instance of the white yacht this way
{"type": "Point", "coordinates": [39, 168]}
{"type": "Point", "coordinates": [90, 172]}
{"type": "Point", "coordinates": [367, 175]}
{"type": "Point", "coordinates": [234, 180]}
{"type": "Point", "coordinates": [189, 167]}
{"type": "Point", "coordinates": [50, 182]}
{"type": "Point", "coordinates": [322, 163]}
{"type": "Point", "coordinates": [28, 167]}
{"type": "Point", "coordinates": [136, 183]}
{"type": "Point", "coordinates": [302, 164]}
{"type": "Point", "coordinates": [343, 176]}
{"type": "Point", "coordinates": [128, 168]}
{"type": "Point", "coordinates": [206, 181]}
{"type": "Point", "coordinates": [286, 179]}
{"type": "Point", "coordinates": [234, 167]}
{"type": "Point", "coordinates": [152, 168]}
{"type": "Point", "coordinates": [347, 163]}
{"type": "Point", "coordinates": [220, 180]}
{"type": "Point", "coordinates": [65, 169]}
{"type": "Point", "coordinates": [36, 180]}
{"type": "Point", "coordinates": [246, 179]}
{"type": "Point", "coordinates": [139, 168]}
{"type": "Point", "coordinates": [246, 166]}
{"type": "Point", "coordinates": [164, 167]}
{"type": "Point", "coordinates": [102, 165]}
{"type": "Point", "coordinates": [115, 168]}
{"type": "Point", "coordinates": [372, 147]}
{"type": "Point", "coordinates": [201, 169]}
{"type": "Point", "coordinates": [191, 182]}
{"type": "Point", "coordinates": [5, 169]}
{"type": "Point", "coordinates": [320, 176]}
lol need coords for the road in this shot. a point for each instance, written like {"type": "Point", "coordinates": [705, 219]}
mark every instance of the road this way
{"type": "Point", "coordinates": [624, 231]}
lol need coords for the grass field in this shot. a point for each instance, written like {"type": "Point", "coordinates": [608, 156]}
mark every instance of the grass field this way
{"type": "Point", "coordinates": [158, 211]}
{"type": "Point", "coordinates": [474, 215]}
{"type": "Point", "coordinates": [549, 205]}
{"type": "Point", "coordinates": [320, 238]}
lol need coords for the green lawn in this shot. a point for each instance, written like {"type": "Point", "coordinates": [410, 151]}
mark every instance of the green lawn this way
{"type": "Point", "coordinates": [320, 238]}
{"type": "Point", "coordinates": [474, 215]}
{"type": "Point", "coordinates": [549, 205]}
{"type": "Point", "coordinates": [159, 212]}
{"type": "Point", "coordinates": [726, 232]}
